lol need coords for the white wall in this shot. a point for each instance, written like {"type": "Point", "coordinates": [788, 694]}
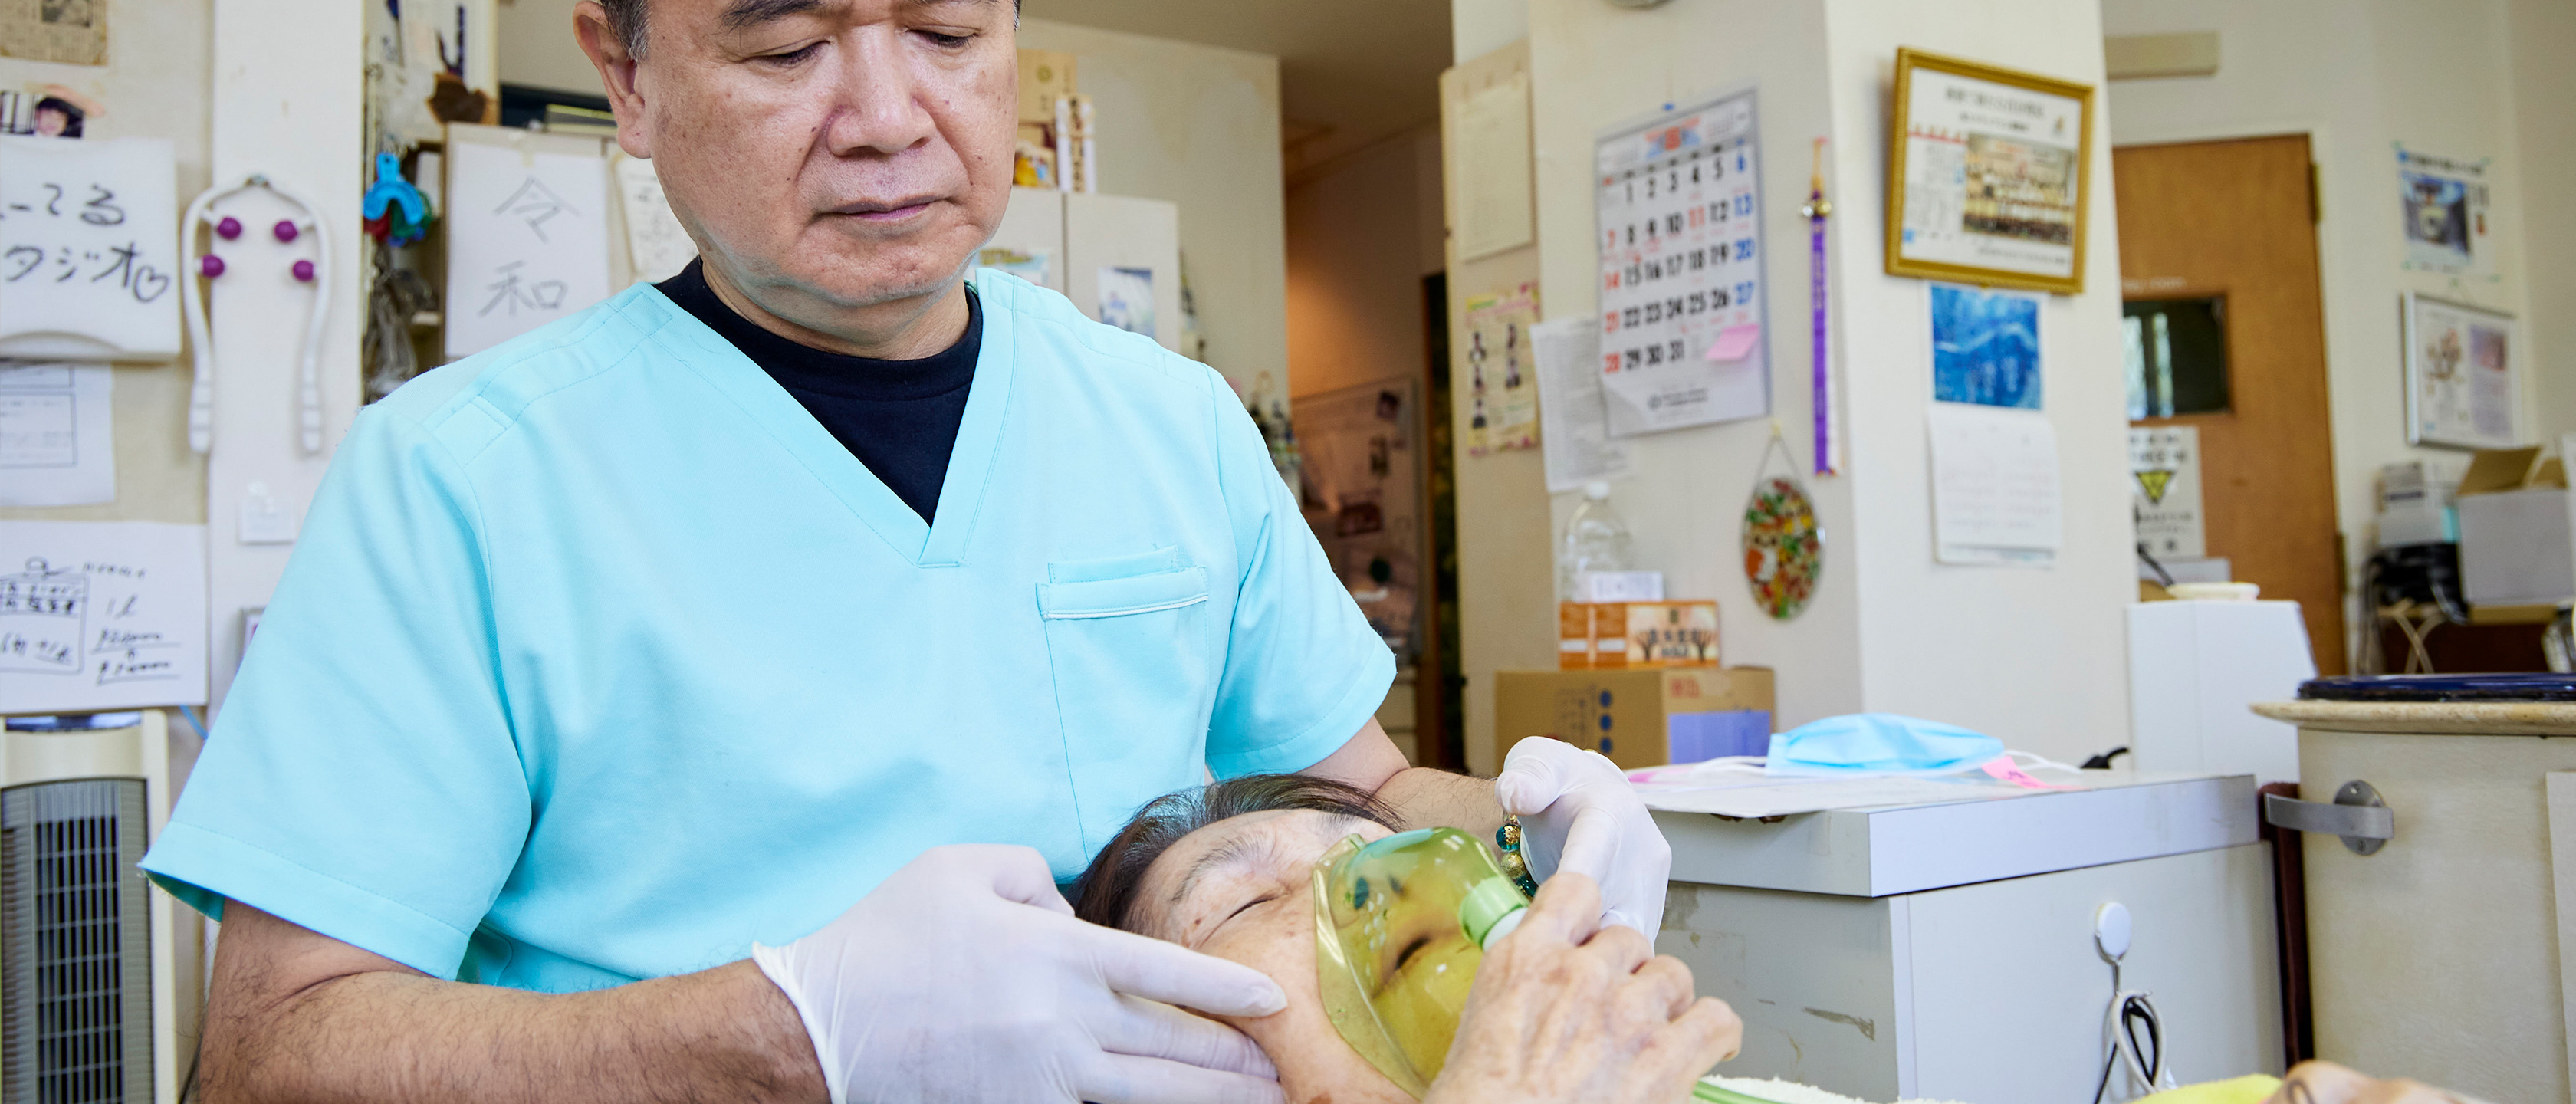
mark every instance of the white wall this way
{"type": "Point", "coordinates": [1593, 66]}
{"type": "Point", "coordinates": [300, 125]}
{"type": "Point", "coordinates": [2542, 34]}
{"type": "Point", "coordinates": [153, 86]}
{"type": "Point", "coordinates": [1361, 236]}
{"type": "Point", "coordinates": [538, 48]}
{"type": "Point", "coordinates": [1480, 27]}
{"type": "Point", "coordinates": [2443, 76]}
{"type": "Point", "coordinates": [2036, 657]}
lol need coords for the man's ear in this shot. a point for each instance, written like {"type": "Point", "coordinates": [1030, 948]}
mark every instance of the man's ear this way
{"type": "Point", "coordinates": [617, 73]}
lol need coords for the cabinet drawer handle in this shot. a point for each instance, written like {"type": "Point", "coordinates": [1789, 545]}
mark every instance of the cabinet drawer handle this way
{"type": "Point", "coordinates": [2365, 823]}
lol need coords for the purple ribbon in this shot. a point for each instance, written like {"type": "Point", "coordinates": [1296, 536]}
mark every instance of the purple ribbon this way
{"type": "Point", "coordinates": [1824, 401]}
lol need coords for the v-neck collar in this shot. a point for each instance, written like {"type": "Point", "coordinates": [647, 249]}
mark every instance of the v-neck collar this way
{"type": "Point", "coordinates": [940, 543]}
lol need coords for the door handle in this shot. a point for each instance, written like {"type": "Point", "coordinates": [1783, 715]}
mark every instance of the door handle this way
{"type": "Point", "coordinates": [2364, 822]}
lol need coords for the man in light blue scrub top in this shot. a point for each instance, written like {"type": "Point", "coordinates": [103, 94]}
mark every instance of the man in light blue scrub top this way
{"type": "Point", "coordinates": [701, 697]}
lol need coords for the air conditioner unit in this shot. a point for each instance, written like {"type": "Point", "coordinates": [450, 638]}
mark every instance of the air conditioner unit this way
{"type": "Point", "coordinates": [99, 970]}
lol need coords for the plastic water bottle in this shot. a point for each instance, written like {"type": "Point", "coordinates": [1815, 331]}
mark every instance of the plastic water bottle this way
{"type": "Point", "coordinates": [1595, 540]}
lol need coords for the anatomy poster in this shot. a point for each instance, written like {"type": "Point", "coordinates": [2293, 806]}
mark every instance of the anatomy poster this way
{"type": "Point", "coordinates": [1679, 206]}
{"type": "Point", "coordinates": [1502, 371]}
{"type": "Point", "coordinates": [2460, 367]}
{"type": "Point", "coordinates": [101, 615]}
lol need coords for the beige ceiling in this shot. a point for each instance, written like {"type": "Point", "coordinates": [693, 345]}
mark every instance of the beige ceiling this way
{"type": "Point", "coordinates": [1351, 72]}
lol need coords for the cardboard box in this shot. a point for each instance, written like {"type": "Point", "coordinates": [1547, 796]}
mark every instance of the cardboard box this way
{"type": "Point", "coordinates": [1044, 75]}
{"type": "Point", "coordinates": [1641, 716]}
{"type": "Point", "coordinates": [2516, 546]}
{"type": "Point", "coordinates": [1595, 635]}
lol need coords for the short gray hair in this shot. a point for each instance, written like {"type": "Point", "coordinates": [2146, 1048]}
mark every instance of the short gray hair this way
{"type": "Point", "coordinates": [626, 21]}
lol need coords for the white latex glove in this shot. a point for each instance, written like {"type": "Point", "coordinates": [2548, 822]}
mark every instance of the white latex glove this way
{"type": "Point", "coordinates": [965, 977]}
{"type": "Point", "coordinates": [1578, 813]}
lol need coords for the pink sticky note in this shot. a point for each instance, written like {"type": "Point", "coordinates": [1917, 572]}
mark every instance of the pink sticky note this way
{"type": "Point", "coordinates": [1734, 342]}
{"type": "Point", "coordinates": [2003, 768]}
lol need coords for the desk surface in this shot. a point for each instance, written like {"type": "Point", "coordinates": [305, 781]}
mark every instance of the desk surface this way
{"type": "Point", "coordinates": [2119, 817]}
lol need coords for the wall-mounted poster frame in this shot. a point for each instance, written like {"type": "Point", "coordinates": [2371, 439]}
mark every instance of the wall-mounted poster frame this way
{"type": "Point", "coordinates": [1986, 184]}
{"type": "Point", "coordinates": [2463, 387]}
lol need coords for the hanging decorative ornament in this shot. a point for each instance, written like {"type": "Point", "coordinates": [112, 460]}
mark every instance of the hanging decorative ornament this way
{"type": "Point", "coordinates": [1784, 547]}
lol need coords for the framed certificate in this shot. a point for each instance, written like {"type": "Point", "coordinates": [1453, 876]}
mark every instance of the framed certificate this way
{"type": "Point", "coordinates": [1989, 174]}
{"type": "Point", "coordinates": [2461, 390]}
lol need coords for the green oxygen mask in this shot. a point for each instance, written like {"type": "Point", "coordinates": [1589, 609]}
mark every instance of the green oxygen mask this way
{"type": "Point", "coordinates": [1400, 926]}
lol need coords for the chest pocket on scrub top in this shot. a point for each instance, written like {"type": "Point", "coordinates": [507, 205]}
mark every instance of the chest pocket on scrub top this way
{"type": "Point", "coordinates": [1127, 640]}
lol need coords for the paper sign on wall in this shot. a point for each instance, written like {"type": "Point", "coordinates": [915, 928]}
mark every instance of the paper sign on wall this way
{"type": "Point", "coordinates": [2164, 478]}
{"type": "Point", "coordinates": [657, 245]}
{"type": "Point", "coordinates": [1573, 431]}
{"type": "Point", "coordinates": [1502, 390]}
{"type": "Point", "coordinates": [1995, 492]}
{"type": "Point", "coordinates": [101, 615]}
{"type": "Point", "coordinates": [1492, 175]}
{"type": "Point", "coordinates": [89, 244]}
{"type": "Point", "coordinates": [527, 234]}
{"type": "Point", "coordinates": [57, 434]}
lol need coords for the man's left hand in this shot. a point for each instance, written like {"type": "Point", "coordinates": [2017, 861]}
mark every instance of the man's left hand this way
{"type": "Point", "coordinates": [1578, 813]}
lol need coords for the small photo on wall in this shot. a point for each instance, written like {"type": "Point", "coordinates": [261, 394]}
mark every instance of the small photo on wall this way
{"type": "Point", "coordinates": [1127, 298]}
{"type": "Point", "coordinates": [1985, 347]}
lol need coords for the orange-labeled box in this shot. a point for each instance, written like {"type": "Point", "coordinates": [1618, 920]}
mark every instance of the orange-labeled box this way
{"type": "Point", "coordinates": [1596, 635]}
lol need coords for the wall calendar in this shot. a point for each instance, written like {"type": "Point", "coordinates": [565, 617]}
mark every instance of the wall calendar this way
{"type": "Point", "coordinates": [1680, 206]}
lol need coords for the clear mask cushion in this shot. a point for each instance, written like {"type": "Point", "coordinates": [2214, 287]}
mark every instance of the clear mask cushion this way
{"type": "Point", "coordinates": [1400, 927]}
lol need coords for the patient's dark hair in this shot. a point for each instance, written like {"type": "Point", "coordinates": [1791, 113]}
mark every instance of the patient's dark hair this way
{"type": "Point", "coordinates": [1109, 887]}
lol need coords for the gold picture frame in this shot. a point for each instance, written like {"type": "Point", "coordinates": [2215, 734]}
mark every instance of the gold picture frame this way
{"type": "Point", "coordinates": [1989, 239]}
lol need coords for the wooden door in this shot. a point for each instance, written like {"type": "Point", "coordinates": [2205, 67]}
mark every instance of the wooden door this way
{"type": "Point", "coordinates": [2234, 224]}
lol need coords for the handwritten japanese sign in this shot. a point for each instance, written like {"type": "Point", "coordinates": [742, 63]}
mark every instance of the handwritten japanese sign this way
{"type": "Point", "coordinates": [89, 243]}
{"type": "Point", "coordinates": [101, 615]}
{"type": "Point", "coordinates": [527, 233]}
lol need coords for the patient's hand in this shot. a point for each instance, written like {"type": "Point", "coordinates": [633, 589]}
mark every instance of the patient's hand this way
{"type": "Point", "coordinates": [2328, 1083]}
{"type": "Point", "coordinates": [1565, 1011]}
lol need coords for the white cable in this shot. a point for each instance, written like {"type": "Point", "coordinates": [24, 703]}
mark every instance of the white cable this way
{"type": "Point", "coordinates": [2120, 1045]}
{"type": "Point", "coordinates": [2027, 760]}
{"type": "Point", "coordinates": [309, 371]}
{"type": "Point", "coordinates": [192, 303]}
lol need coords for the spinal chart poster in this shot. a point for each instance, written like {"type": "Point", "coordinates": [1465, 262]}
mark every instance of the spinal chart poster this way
{"type": "Point", "coordinates": [1679, 204]}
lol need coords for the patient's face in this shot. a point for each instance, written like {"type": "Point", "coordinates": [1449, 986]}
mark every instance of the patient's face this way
{"type": "Point", "coordinates": [1240, 889]}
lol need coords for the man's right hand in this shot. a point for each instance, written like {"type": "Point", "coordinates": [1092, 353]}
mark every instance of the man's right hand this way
{"type": "Point", "coordinates": [1566, 1010]}
{"type": "Point", "coordinates": [965, 977]}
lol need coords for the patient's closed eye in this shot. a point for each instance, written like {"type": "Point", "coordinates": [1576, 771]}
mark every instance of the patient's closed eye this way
{"type": "Point", "coordinates": [1264, 899]}
{"type": "Point", "coordinates": [1411, 949]}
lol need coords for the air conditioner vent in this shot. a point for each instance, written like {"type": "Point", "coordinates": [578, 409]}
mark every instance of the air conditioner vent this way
{"type": "Point", "coordinates": [75, 945]}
